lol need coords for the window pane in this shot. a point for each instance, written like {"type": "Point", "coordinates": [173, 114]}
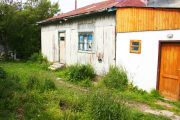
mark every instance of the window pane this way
{"type": "Point", "coordinates": [62, 38]}
{"type": "Point", "coordinates": [85, 41]}
{"type": "Point", "coordinates": [81, 42]}
{"type": "Point", "coordinates": [135, 43]}
{"type": "Point", "coordinates": [135, 48]}
{"type": "Point", "coordinates": [90, 37]}
{"type": "Point", "coordinates": [80, 38]}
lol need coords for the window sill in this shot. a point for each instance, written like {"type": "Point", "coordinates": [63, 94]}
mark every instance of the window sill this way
{"type": "Point", "coordinates": [88, 52]}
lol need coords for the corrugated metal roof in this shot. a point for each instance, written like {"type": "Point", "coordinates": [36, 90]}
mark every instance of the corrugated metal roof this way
{"type": "Point", "coordinates": [97, 7]}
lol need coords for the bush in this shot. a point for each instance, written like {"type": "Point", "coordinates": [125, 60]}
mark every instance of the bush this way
{"type": "Point", "coordinates": [78, 72]}
{"type": "Point", "coordinates": [2, 73]}
{"type": "Point", "coordinates": [38, 57]}
{"type": "Point", "coordinates": [116, 78]}
{"type": "Point", "coordinates": [104, 107]}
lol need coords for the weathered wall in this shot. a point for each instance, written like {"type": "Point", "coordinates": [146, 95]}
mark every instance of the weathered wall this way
{"type": "Point", "coordinates": [147, 19]}
{"type": "Point", "coordinates": [164, 3]}
{"type": "Point", "coordinates": [104, 41]}
{"type": "Point", "coordinates": [142, 68]}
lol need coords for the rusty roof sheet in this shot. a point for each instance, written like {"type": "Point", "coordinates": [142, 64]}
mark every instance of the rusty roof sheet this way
{"type": "Point", "coordinates": [96, 7]}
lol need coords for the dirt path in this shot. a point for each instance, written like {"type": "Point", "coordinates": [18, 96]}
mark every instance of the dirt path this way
{"type": "Point", "coordinates": [140, 106]}
{"type": "Point", "coordinates": [147, 109]}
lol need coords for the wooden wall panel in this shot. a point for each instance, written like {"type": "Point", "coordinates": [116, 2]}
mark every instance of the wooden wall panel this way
{"type": "Point", "coordinates": [147, 19]}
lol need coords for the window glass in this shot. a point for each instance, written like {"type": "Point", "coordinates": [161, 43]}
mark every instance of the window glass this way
{"type": "Point", "coordinates": [135, 46]}
{"type": "Point", "coordinates": [85, 41]}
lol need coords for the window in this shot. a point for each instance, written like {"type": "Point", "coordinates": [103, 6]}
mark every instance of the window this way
{"type": "Point", "coordinates": [61, 36]}
{"type": "Point", "coordinates": [135, 46]}
{"type": "Point", "coordinates": [86, 41]}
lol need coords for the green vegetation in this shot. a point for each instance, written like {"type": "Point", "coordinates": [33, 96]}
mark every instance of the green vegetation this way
{"type": "Point", "coordinates": [116, 78]}
{"type": "Point", "coordinates": [38, 57]}
{"type": "Point", "coordinates": [30, 92]}
{"type": "Point", "coordinates": [80, 74]}
{"type": "Point", "coordinates": [2, 73]}
{"type": "Point", "coordinates": [19, 31]}
{"type": "Point", "coordinates": [103, 106]}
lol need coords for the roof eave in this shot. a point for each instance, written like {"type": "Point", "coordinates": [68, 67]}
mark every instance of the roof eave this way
{"type": "Point", "coordinates": [74, 16]}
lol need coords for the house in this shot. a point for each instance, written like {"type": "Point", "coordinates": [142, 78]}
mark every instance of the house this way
{"type": "Point", "coordinates": [144, 40]}
{"type": "Point", "coordinates": [148, 46]}
{"type": "Point", "coordinates": [86, 35]}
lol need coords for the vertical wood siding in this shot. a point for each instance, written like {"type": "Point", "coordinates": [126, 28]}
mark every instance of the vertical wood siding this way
{"type": "Point", "coordinates": [104, 42]}
{"type": "Point", "coordinates": [147, 19]}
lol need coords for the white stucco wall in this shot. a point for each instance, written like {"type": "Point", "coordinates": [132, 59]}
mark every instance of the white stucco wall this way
{"type": "Point", "coordinates": [104, 41]}
{"type": "Point", "coordinates": [142, 68]}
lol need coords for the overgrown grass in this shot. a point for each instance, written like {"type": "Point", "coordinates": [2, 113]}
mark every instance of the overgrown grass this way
{"type": "Point", "coordinates": [103, 106]}
{"type": "Point", "coordinates": [80, 74]}
{"type": "Point", "coordinates": [116, 78]}
{"type": "Point", "coordinates": [28, 92]}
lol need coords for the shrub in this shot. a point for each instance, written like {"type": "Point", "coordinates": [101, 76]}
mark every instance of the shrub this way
{"type": "Point", "coordinates": [2, 73]}
{"type": "Point", "coordinates": [116, 78]}
{"type": "Point", "coordinates": [38, 57]}
{"type": "Point", "coordinates": [78, 72]}
{"type": "Point", "coordinates": [104, 107]}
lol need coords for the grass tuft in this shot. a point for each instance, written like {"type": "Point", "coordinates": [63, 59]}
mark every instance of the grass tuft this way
{"type": "Point", "coordinates": [116, 78]}
{"type": "Point", "coordinates": [103, 106]}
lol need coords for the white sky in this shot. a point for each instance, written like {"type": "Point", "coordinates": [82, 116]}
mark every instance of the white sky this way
{"type": "Point", "coordinates": [68, 5]}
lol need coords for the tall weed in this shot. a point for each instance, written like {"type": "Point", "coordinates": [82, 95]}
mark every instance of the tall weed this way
{"type": "Point", "coordinates": [116, 78]}
{"type": "Point", "coordinates": [78, 72]}
{"type": "Point", "coordinates": [36, 83]}
{"type": "Point", "coordinates": [103, 106]}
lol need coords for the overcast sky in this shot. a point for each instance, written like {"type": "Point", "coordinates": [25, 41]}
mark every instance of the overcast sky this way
{"type": "Point", "coordinates": [68, 5]}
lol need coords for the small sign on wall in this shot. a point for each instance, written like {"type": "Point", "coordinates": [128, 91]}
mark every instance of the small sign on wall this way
{"type": "Point", "coordinates": [135, 46]}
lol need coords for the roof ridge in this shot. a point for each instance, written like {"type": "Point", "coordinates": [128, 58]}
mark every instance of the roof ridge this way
{"type": "Point", "coordinates": [97, 7]}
